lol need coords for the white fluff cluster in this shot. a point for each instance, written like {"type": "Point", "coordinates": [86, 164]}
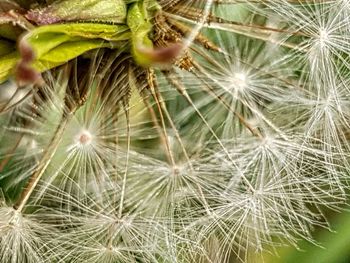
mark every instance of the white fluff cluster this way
{"type": "Point", "coordinates": [241, 145]}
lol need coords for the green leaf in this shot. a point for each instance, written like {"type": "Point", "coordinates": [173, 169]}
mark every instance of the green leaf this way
{"type": "Point", "coordinates": [84, 30]}
{"type": "Point", "coordinates": [7, 63]}
{"type": "Point", "coordinates": [140, 27]}
{"type": "Point", "coordinates": [60, 43]}
{"type": "Point", "coordinates": [6, 47]}
{"type": "Point", "coordinates": [72, 49]}
{"type": "Point", "coordinates": [46, 38]}
{"type": "Point", "coordinates": [41, 44]}
{"type": "Point", "coordinates": [8, 27]}
{"type": "Point", "coordinates": [54, 45]}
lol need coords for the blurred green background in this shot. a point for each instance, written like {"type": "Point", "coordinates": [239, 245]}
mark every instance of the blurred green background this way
{"type": "Point", "coordinates": [331, 247]}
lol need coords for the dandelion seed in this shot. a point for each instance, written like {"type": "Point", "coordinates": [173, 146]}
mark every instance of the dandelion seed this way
{"type": "Point", "coordinates": [97, 232]}
{"type": "Point", "coordinates": [23, 238]}
{"type": "Point", "coordinates": [236, 141]}
{"type": "Point", "coordinates": [276, 179]}
{"type": "Point", "coordinates": [240, 79]}
{"type": "Point", "coordinates": [84, 138]}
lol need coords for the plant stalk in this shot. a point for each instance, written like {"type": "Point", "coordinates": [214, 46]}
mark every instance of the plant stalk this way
{"type": "Point", "coordinates": [44, 162]}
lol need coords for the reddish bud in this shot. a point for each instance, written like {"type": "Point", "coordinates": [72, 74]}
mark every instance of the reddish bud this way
{"type": "Point", "coordinates": [162, 55]}
{"type": "Point", "coordinates": [26, 51]}
{"type": "Point", "coordinates": [26, 75]}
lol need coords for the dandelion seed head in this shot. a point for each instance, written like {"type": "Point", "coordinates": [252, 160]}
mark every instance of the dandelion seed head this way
{"type": "Point", "coordinates": [269, 174]}
{"type": "Point", "coordinates": [241, 152]}
{"type": "Point", "coordinates": [22, 237]}
{"type": "Point", "coordinates": [323, 37]}
{"type": "Point", "coordinates": [84, 138]}
{"type": "Point", "coordinates": [11, 218]}
{"type": "Point", "coordinates": [101, 232]}
{"type": "Point", "coordinates": [238, 82]}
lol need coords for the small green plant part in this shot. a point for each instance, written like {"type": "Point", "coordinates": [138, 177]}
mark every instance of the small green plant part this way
{"type": "Point", "coordinates": [68, 29]}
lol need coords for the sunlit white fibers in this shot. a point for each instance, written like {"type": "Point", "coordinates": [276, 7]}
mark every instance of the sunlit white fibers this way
{"type": "Point", "coordinates": [84, 138]}
{"type": "Point", "coordinates": [323, 38]}
{"type": "Point", "coordinates": [239, 80]}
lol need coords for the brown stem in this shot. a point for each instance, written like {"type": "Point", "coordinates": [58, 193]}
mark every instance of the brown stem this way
{"type": "Point", "coordinates": [157, 99]}
{"type": "Point", "coordinates": [5, 161]}
{"type": "Point", "coordinates": [44, 162]}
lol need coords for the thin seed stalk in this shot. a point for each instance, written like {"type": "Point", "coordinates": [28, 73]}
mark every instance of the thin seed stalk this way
{"type": "Point", "coordinates": [44, 162]}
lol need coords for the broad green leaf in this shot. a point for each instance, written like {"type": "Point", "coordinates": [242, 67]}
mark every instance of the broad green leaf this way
{"type": "Point", "coordinates": [85, 30]}
{"type": "Point", "coordinates": [56, 44]}
{"type": "Point", "coordinates": [72, 49]}
{"type": "Point", "coordinates": [41, 44]}
{"type": "Point", "coordinates": [46, 38]}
